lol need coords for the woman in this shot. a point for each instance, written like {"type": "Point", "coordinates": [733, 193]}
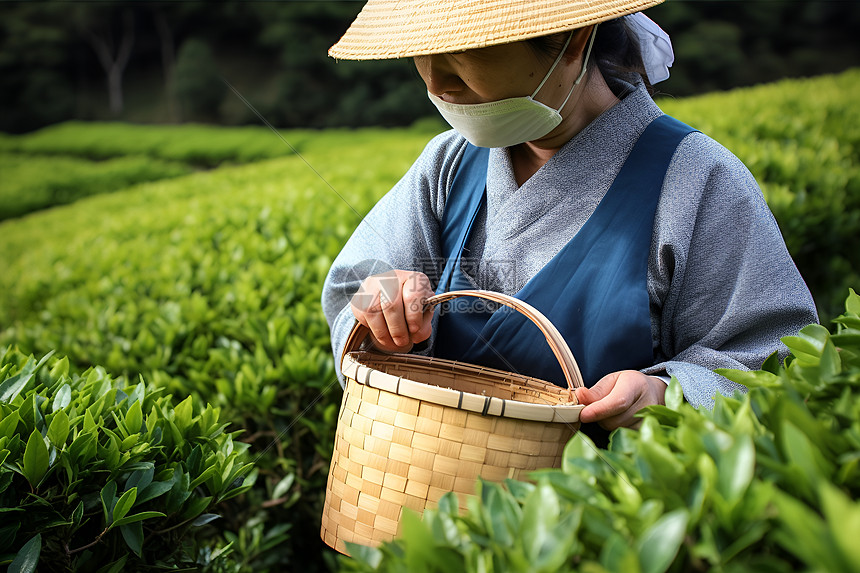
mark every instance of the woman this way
{"type": "Point", "coordinates": [645, 242]}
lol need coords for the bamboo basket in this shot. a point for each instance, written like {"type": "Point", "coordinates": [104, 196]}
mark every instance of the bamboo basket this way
{"type": "Point", "coordinates": [412, 428]}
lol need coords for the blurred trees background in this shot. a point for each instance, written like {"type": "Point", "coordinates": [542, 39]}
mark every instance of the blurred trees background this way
{"type": "Point", "coordinates": [167, 61]}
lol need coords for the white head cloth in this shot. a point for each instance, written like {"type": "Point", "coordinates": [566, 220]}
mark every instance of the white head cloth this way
{"type": "Point", "coordinates": [655, 46]}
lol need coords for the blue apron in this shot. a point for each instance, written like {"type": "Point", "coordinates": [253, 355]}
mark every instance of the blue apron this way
{"type": "Point", "coordinates": [594, 290]}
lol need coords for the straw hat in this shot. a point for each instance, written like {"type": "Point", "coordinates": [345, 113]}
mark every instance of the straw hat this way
{"type": "Point", "coordinates": [403, 28]}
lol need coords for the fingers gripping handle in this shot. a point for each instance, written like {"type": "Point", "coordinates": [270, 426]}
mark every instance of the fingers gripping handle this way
{"type": "Point", "coordinates": [553, 337]}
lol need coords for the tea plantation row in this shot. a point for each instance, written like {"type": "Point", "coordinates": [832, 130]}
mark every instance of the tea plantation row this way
{"type": "Point", "coordinates": [66, 162]}
{"type": "Point", "coordinates": [207, 285]}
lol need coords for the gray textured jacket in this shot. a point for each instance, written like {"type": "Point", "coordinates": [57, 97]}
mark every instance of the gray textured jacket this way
{"type": "Point", "coordinates": [722, 286]}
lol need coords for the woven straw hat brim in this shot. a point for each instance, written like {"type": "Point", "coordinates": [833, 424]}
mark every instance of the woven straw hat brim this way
{"type": "Point", "coordinates": [387, 29]}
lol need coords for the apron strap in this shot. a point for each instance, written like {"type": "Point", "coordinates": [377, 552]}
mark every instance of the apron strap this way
{"type": "Point", "coordinates": [465, 199]}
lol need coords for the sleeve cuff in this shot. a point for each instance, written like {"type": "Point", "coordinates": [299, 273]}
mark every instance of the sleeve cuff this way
{"type": "Point", "coordinates": [662, 377]}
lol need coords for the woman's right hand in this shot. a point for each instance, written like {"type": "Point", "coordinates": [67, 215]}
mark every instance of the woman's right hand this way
{"type": "Point", "coordinates": [391, 305]}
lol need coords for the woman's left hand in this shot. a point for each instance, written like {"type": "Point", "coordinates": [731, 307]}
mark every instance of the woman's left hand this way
{"type": "Point", "coordinates": [616, 397]}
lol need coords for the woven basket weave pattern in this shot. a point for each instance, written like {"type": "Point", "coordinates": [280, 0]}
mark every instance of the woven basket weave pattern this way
{"type": "Point", "coordinates": [412, 428]}
{"type": "Point", "coordinates": [393, 451]}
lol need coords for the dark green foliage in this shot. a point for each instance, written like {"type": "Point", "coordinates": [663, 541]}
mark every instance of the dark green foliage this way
{"type": "Point", "coordinates": [314, 90]}
{"type": "Point", "coordinates": [767, 481]}
{"type": "Point", "coordinates": [197, 81]}
{"type": "Point", "coordinates": [276, 53]}
{"type": "Point", "coordinates": [35, 75]}
{"type": "Point", "coordinates": [100, 475]}
{"type": "Point", "coordinates": [721, 45]}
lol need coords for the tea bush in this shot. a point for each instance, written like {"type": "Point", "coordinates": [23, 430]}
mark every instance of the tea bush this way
{"type": "Point", "coordinates": [767, 481]}
{"type": "Point", "coordinates": [37, 182]}
{"type": "Point", "coordinates": [201, 145]}
{"type": "Point", "coordinates": [208, 285]}
{"type": "Point", "coordinates": [100, 475]}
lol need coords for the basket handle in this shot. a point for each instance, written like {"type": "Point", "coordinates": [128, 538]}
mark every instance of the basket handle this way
{"type": "Point", "coordinates": [556, 342]}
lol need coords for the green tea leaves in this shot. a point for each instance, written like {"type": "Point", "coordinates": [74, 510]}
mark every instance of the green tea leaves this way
{"type": "Point", "coordinates": [58, 431]}
{"type": "Point", "coordinates": [808, 345]}
{"type": "Point", "coordinates": [62, 398]}
{"type": "Point", "coordinates": [134, 418]}
{"type": "Point", "coordinates": [182, 413]}
{"type": "Point", "coordinates": [659, 545]}
{"type": "Point", "coordinates": [132, 533]}
{"type": "Point", "coordinates": [124, 504]}
{"type": "Point", "coordinates": [196, 289]}
{"type": "Point", "coordinates": [28, 557]}
{"type": "Point", "coordinates": [674, 396]}
{"type": "Point", "coordinates": [35, 461]}
{"type": "Point", "coordinates": [852, 303]}
{"type": "Point", "coordinates": [540, 513]}
{"type": "Point", "coordinates": [137, 517]}
{"type": "Point", "coordinates": [107, 451]}
{"type": "Point", "coordinates": [108, 498]}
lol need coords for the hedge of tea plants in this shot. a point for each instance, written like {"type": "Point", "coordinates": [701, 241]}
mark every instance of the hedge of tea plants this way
{"type": "Point", "coordinates": [66, 162]}
{"type": "Point", "coordinates": [94, 468]}
{"type": "Point", "coordinates": [38, 182]}
{"type": "Point", "coordinates": [208, 284]}
{"type": "Point", "coordinates": [201, 145]}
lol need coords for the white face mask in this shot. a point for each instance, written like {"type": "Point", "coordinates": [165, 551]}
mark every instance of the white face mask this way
{"type": "Point", "coordinates": [510, 121]}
